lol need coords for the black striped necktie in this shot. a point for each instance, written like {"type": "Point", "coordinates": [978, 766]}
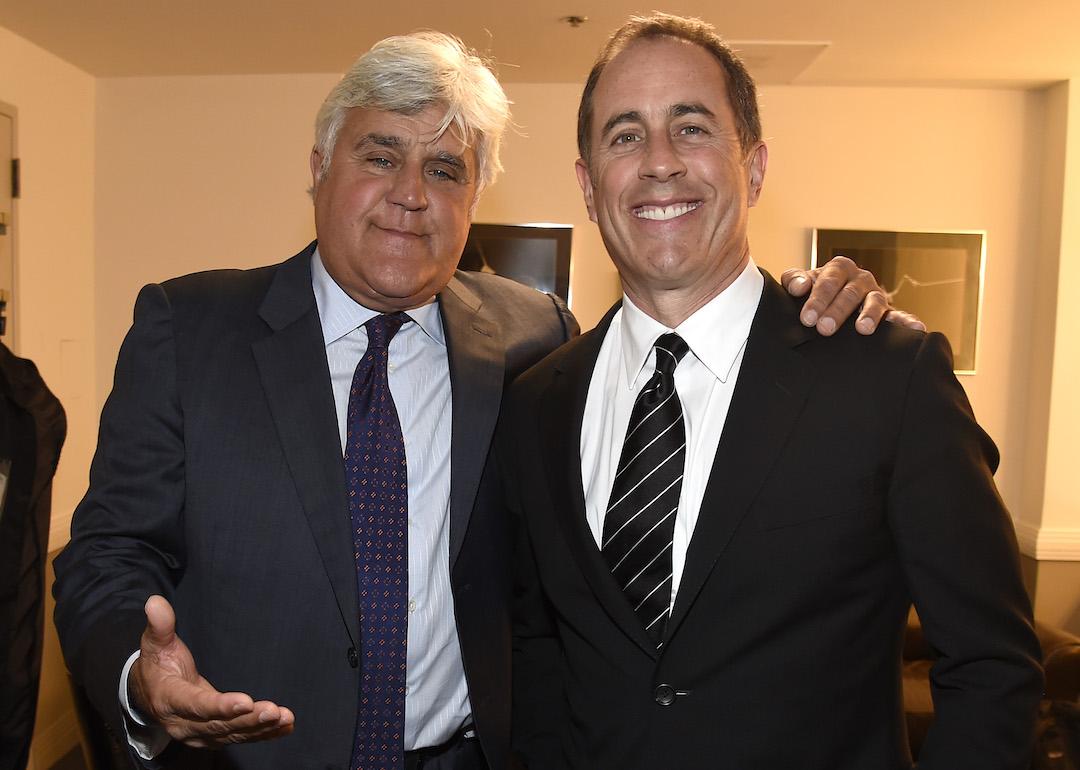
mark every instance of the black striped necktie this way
{"type": "Point", "coordinates": [640, 518]}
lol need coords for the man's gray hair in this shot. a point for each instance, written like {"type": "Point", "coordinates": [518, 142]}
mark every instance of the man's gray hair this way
{"type": "Point", "coordinates": [408, 74]}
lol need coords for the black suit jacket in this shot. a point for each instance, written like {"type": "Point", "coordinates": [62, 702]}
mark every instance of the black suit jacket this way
{"type": "Point", "coordinates": [32, 430]}
{"type": "Point", "coordinates": [218, 482]}
{"type": "Point", "coordinates": [850, 480]}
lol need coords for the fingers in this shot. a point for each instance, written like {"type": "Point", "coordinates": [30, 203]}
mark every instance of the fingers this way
{"type": "Point", "coordinates": [160, 622]}
{"type": "Point", "coordinates": [904, 318]}
{"type": "Point", "coordinates": [839, 289]}
{"type": "Point", "coordinates": [200, 702]}
{"type": "Point", "coordinates": [265, 721]}
{"type": "Point", "coordinates": [200, 716]}
{"type": "Point", "coordinates": [164, 661]}
{"type": "Point", "coordinates": [874, 308]}
{"type": "Point", "coordinates": [796, 281]}
{"type": "Point", "coordinates": [164, 680]}
{"type": "Point", "coordinates": [165, 665]}
{"type": "Point", "coordinates": [164, 693]}
{"type": "Point", "coordinates": [167, 687]}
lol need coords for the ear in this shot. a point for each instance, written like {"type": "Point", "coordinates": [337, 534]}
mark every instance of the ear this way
{"type": "Point", "coordinates": [758, 160]}
{"type": "Point", "coordinates": [315, 161]}
{"type": "Point", "coordinates": [585, 180]}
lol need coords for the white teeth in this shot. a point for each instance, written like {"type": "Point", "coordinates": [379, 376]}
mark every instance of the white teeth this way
{"type": "Point", "coordinates": [662, 213]}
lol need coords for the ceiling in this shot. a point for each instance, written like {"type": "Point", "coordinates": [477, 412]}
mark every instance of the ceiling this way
{"type": "Point", "coordinates": [918, 42]}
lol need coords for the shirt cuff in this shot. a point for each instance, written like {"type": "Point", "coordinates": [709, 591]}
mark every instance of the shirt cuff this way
{"type": "Point", "coordinates": [146, 738]}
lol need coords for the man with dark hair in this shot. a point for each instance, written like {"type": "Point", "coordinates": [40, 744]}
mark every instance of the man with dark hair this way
{"type": "Point", "coordinates": [741, 89]}
{"type": "Point", "coordinates": [724, 518]}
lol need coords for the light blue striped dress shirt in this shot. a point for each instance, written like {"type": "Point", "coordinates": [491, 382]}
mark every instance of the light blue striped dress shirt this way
{"type": "Point", "coordinates": [437, 698]}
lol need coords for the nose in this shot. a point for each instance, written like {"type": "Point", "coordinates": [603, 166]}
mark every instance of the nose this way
{"type": "Point", "coordinates": [407, 189]}
{"type": "Point", "coordinates": [661, 160]}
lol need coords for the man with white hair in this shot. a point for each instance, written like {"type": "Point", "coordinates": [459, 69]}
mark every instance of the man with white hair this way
{"type": "Point", "coordinates": [365, 600]}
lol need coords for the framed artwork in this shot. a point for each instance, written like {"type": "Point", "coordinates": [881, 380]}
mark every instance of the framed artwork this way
{"type": "Point", "coordinates": [537, 255]}
{"type": "Point", "coordinates": [936, 276]}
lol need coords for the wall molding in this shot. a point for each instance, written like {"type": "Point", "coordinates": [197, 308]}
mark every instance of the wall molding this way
{"type": "Point", "coordinates": [1048, 543]}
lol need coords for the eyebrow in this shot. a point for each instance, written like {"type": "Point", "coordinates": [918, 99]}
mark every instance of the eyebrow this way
{"type": "Point", "coordinates": [630, 116]}
{"type": "Point", "coordinates": [693, 108]}
{"type": "Point", "coordinates": [674, 111]}
{"type": "Point", "coordinates": [451, 159]}
{"type": "Point", "coordinates": [380, 140]}
{"type": "Point", "coordinates": [396, 142]}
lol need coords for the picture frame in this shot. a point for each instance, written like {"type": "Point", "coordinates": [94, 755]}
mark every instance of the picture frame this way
{"type": "Point", "coordinates": [537, 255]}
{"type": "Point", "coordinates": [938, 276]}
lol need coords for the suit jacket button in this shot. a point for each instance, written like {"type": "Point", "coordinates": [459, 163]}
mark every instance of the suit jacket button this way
{"type": "Point", "coordinates": [354, 658]}
{"type": "Point", "coordinates": [664, 695]}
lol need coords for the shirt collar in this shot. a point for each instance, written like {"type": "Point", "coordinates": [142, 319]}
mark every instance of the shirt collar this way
{"type": "Point", "coordinates": [716, 332]}
{"type": "Point", "coordinates": [340, 314]}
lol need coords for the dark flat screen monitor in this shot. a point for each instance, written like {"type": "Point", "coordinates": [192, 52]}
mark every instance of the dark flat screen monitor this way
{"type": "Point", "coordinates": [535, 255]}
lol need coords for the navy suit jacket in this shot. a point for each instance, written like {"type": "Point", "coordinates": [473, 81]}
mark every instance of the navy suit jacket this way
{"type": "Point", "coordinates": [218, 482]}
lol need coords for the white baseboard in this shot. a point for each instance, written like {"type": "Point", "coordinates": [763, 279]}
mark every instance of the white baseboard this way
{"type": "Point", "coordinates": [1048, 543]}
{"type": "Point", "coordinates": [52, 742]}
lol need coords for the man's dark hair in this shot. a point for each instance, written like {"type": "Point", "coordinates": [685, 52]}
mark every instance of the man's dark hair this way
{"type": "Point", "coordinates": [742, 94]}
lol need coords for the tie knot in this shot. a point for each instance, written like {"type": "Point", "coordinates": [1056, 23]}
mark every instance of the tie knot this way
{"type": "Point", "coordinates": [670, 348]}
{"type": "Point", "coordinates": [382, 328]}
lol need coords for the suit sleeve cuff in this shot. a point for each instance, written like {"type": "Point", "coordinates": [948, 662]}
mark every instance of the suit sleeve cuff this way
{"type": "Point", "coordinates": [147, 739]}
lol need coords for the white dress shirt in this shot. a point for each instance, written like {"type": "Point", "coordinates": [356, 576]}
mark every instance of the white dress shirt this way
{"type": "Point", "coordinates": [437, 697]}
{"type": "Point", "coordinates": [704, 379]}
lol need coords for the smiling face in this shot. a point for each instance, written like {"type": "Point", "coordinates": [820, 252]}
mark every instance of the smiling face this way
{"type": "Point", "coordinates": [392, 213]}
{"type": "Point", "coordinates": [667, 181]}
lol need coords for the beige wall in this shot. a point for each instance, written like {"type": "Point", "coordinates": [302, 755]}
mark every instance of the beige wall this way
{"type": "Point", "coordinates": [540, 185]}
{"type": "Point", "coordinates": [196, 173]}
{"type": "Point", "coordinates": [55, 244]}
{"type": "Point", "coordinates": [923, 159]}
{"type": "Point", "coordinates": [920, 159]}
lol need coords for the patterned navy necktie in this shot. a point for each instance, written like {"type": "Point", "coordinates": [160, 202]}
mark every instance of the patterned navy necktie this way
{"type": "Point", "coordinates": [378, 491]}
{"type": "Point", "coordinates": [640, 519]}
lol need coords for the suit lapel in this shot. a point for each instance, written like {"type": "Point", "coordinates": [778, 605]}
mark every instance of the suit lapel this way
{"type": "Point", "coordinates": [295, 376]}
{"type": "Point", "coordinates": [560, 417]}
{"type": "Point", "coordinates": [477, 359]}
{"type": "Point", "coordinates": [773, 383]}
